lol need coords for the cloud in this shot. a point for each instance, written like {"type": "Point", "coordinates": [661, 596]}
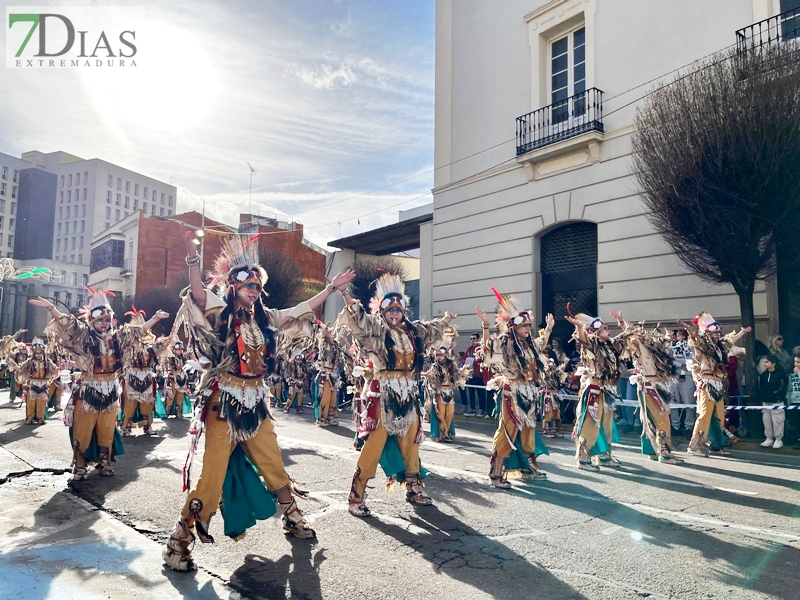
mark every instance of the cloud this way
{"type": "Point", "coordinates": [324, 76]}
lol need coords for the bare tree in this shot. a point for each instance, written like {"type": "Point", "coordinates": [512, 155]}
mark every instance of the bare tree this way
{"type": "Point", "coordinates": [717, 158]}
{"type": "Point", "coordinates": [367, 273]}
{"type": "Point", "coordinates": [285, 285]}
{"type": "Point", "coordinates": [163, 298]}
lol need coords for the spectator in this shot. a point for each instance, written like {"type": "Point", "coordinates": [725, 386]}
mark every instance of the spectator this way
{"type": "Point", "coordinates": [682, 384]}
{"type": "Point", "coordinates": [772, 385]}
{"type": "Point", "coordinates": [761, 351]}
{"type": "Point", "coordinates": [474, 361]}
{"type": "Point", "coordinates": [795, 351]}
{"type": "Point", "coordinates": [776, 348]}
{"type": "Point", "coordinates": [733, 418]}
{"type": "Point", "coordinates": [793, 391]}
{"type": "Point", "coordinates": [557, 354]}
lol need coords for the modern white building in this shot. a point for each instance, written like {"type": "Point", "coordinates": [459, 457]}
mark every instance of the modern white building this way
{"type": "Point", "coordinates": [10, 169]}
{"type": "Point", "coordinates": [543, 94]}
{"type": "Point", "coordinates": [92, 195]}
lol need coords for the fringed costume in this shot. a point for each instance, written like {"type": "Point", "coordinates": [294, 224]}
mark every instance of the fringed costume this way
{"type": "Point", "coordinates": [650, 352]}
{"type": "Point", "coordinates": [552, 379]}
{"type": "Point", "coordinates": [37, 376]}
{"type": "Point", "coordinates": [517, 364]}
{"type": "Point", "coordinates": [139, 383]}
{"type": "Point", "coordinates": [330, 356]}
{"type": "Point", "coordinates": [392, 410]}
{"type": "Point", "coordinates": [710, 373]}
{"type": "Point", "coordinates": [296, 375]}
{"type": "Point", "coordinates": [441, 381]}
{"type": "Point", "coordinates": [240, 441]}
{"type": "Point", "coordinates": [595, 428]}
{"type": "Point", "coordinates": [176, 380]}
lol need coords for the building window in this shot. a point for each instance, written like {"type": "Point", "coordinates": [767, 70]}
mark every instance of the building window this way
{"type": "Point", "coordinates": [73, 277]}
{"type": "Point", "coordinates": [5, 175]}
{"type": "Point", "coordinates": [72, 258]}
{"type": "Point", "coordinates": [162, 211]}
{"type": "Point", "coordinates": [145, 193]}
{"type": "Point", "coordinates": [55, 297]}
{"type": "Point", "coordinates": [108, 212]}
{"type": "Point", "coordinates": [13, 192]}
{"type": "Point", "coordinates": [127, 187]}
{"type": "Point", "coordinates": [13, 207]}
{"type": "Point", "coordinates": [68, 299]}
{"type": "Point", "coordinates": [154, 196]}
{"type": "Point", "coordinates": [108, 254]}
{"type": "Point", "coordinates": [1, 238]}
{"type": "Point", "coordinates": [75, 223]}
{"type": "Point", "coordinates": [60, 197]}
{"type": "Point", "coordinates": [119, 183]}
{"type": "Point", "coordinates": [10, 241]}
{"type": "Point", "coordinates": [73, 243]}
{"type": "Point", "coordinates": [85, 177]}
{"type": "Point", "coordinates": [108, 196]}
{"type": "Point", "coordinates": [3, 190]}
{"type": "Point", "coordinates": [135, 204]}
{"type": "Point", "coordinates": [69, 195]}
{"type": "Point", "coordinates": [2, 205]}
{"type": "Point", "coordinates": [83, 210]}
{"type": "Point", "coordinates": [69, 180]}
{"type": "Point", "coordinates": [116, 215]}
{"type": "Point", "coordinates": [568, 74]}
{"type": "Point", "coordinates": [119, 199]}
{"type": "Point", "coordinates": [144, 207]}
{"type": "Point", "coordinates": [58, 245]}
{"type": "Point", "coordinates": [85, 194]}
{"type": "Point", "coordinates": [16, 175]}
{"type": "Point", "coordinates": [80, 243]}
{"type": "Point", "coordinates": [83, 226]}
{"type": "Point", "coordinates": [169, 203]}
{"type": "Point", "coordinates": [110, 181]}
{"type": "Point", "coordinates": [152, 209]}
{"type": "Point", "coordinates": [80, 262]}
{"type": "Point", "coordinates": [11, 223]}
{"type": "Point", "coordinates": [162, 197]}
{"type": "Point", "coordinates": [135, 189]}
{"type": "Point", "coordinates": [108, 225]}
{"type": "Point", "coordinates": [1, 222]}
{"type": "Point", "coordinates": [169, 212]}
{"type": "Point", "coordinates": [58, 229]}
{"type": "Point", "coordinates": [127, 201]}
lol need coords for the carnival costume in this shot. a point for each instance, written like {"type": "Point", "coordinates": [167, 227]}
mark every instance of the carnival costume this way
{"type": "Point", "coordinates": [95, 401]}
{"type": "Point", "coordinates": [240, 440]}
{"type": "Point", "coordinates": [441, 381]}
{"type": "Point", "coordinates": [37, 376]}
{"type": "Point", "coordinates": [650, 352]}
{"type": "Point", "coordinates": [552, 378]}
{"type": "Point", "coordinates": [19, 356]}
{"type": "Point", "coordinates": [139, 382]}
{"type": "Point", "coordinates": [392, 411]}
{"type": "Point", "coordinates": [176, 381]}
{"type": "Point", "coordinates": [516, 363]}
{"type": "Point", "coordinates": [710, 373]}
{"type": "Point", "coordinates": [297, 373]}
{"type": "Point", "coordinates": [330, 356]}
{"type": "Point", "coordinates": [595, 428]}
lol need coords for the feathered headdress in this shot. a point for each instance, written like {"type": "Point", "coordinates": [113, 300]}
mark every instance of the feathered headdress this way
{"type": "Point", "coordinates": [509, 312]}
{"type": "Point", "coordinates": [589, 322]}
{"type": "Point", "coordinates": [138, 317]}
{"type": "Point", "coordinates": [37, 342]}
{"type": "Point", "coordinates": [98, 306]}
{"type": "Point", "coordinates": [389, 293]}
{"type": "Point", "coordinates": [237, 264]}
{"type": "Point", "coordinates": [705, 322]}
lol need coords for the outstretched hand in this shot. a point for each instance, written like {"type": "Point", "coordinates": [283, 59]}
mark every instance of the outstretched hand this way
{"type": "Point", "coordinates": [550, 320]}
{"type": "Point", "coordinates": [482, 314]}
{"type": "Point", "coordinates": [573, 320]}
{"type": "Point", "coordinates": [162, 314]}
{"type": "Point", "coordinates": [617, 315]}
{"type": "Point", "coordinates": [41, 303]}
{"type": "Point", "coordinates": [449, 316]}
{"type": "Point", "coordinates": [342, 279]}
{"type": "Point", "coordinates": [188, 236]}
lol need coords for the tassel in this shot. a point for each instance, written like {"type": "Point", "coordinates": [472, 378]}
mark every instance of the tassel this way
{"type": "Point", "coordinates": [390, 483]}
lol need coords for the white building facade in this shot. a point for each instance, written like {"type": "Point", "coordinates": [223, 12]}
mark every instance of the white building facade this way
{"type": "Point", "coordinates": [550, 212]}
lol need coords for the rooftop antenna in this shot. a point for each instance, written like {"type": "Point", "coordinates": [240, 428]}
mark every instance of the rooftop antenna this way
{"type": "Point", "coordinates": [250, 202]}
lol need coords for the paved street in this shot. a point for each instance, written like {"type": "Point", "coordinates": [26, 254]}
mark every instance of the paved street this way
{"type": "Point", "coordinates": [716, 528]}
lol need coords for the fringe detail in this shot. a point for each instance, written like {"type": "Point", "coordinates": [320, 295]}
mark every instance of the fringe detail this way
{"type": "Point", "coordinates": [100, 396]}
{"type": "Point", "coordinates": [399, 399]}
{"type": "Point", "coordinates": [245, 408]}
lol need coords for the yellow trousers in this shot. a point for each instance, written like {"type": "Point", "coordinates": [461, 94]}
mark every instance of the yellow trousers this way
{"type": "Point", "coordinates": [373, 448]}
{"type": "Point", "coordinates": [277, 393]}
{"type": "Point", "coordinates": [327, 401]}
{"type": "Point", "coordinates": [706, 409]}
{"type": "Point", "coordinates": [86, 421]}
{"type": "Point", "coordinates": [445, 412]}
{"type": "Point", "coordinates": [172, 399]}
{"type": "Point", "coordinates": [295, 398]}
{"type": "Point", "coordinates": [37, 408]}
{"type": "Point", "coordinates": [505, 430]}
{"type": "Point", "coordinates": [590, 430]}
{"type": "Point", "coordinates": [145, 409]}
{"type": "Point", "coordinates": [262, 450]}
{"type": "Point", "coordinates": [658, 422]}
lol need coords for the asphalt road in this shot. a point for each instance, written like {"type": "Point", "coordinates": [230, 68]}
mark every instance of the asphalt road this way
{"type": "Point", "coordinates": [711, 528]}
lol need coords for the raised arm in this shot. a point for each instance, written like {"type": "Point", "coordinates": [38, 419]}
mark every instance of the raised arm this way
{"type": "Point", "coordinates": [742, 332]}
{"type": "Point", "coordinates": [43, 303]}
{"type": "Point", "coordinates": [550, 322]}
{"type": "Point", "coordinates": [484, 317]}
{"type": "Point", "coordinates": [160, 314]}
{"type": "Point", "coordinates": [580, 331]}
{"type": "Point", "coordinates": [195, 277]}
{"type": "Point", "coordinates": [339, 283]}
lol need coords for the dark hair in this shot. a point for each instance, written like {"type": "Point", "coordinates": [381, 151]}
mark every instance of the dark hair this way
{"type": "Point", "coordinates": [772, 358]}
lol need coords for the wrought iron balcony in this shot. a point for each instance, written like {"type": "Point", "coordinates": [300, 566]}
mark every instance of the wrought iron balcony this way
{"type": "Point", "coordinates": [782, 27]}
{"type": "Point", "coordinates": [577, 114]}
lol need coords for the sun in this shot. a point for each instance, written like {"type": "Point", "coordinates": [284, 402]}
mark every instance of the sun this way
{"type": "Point", "coordinates": [173, 86]}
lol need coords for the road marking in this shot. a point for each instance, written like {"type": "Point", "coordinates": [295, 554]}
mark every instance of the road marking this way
{"type": "Point", "coordinates": [503, 538]}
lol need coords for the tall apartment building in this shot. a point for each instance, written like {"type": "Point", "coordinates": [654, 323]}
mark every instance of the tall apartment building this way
{"type": "Point", "coordinates": [92, 195]}
{"type": "Point", "coordinates": [552, 215]}
{"type": "Point", "coordinates": [10, 176]}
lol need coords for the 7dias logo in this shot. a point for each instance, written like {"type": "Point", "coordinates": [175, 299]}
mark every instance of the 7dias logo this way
{"type": "Point", "coordinates": [47, 37]}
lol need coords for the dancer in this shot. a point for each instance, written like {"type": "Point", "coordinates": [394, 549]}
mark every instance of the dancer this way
{"type": "Point", "coordinates": [236, 333]}
{"type": "Point", "coordinates": [441, 381]}
{"type": "Point", "coordinates": [295, 380]}
{"type": "Point", "coordinates": [651, 355]}
{"type": "Point", "coordinates": [396, 348]}
{"type": "Point", "coordinates": [139, 384]}
{"type": "Point", "coordinates": [97, 348]}
{"type": "Point", "coordinates": [275, 380]}
{"type": "Point", "coordinates": [553, 377]}
{"type": "Point", "coordinates": [176, 380]}
{"type": "Point", "coordinates": [19, 356]}
{"type": "Point", "coordinates": [37, 376]}
{"type": "Point", "coordinates": [710, 373]}
{"type": "Point", "coordinates": [516, 359]}
{"type": "Point", "coordinates": [594, 429]}
{"type": "Point", "coordinates": [329, 359]}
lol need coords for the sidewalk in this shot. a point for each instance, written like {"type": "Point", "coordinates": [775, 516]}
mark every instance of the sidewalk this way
{"type": "Point", "coordinates": [56, 545]}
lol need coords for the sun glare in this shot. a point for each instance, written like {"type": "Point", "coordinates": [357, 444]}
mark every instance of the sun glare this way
{"type": "Point", "coordinates": [172, 87]}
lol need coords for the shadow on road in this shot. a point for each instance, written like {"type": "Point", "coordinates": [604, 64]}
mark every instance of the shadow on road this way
{"type": "Point", "coordinates": [295, 576]}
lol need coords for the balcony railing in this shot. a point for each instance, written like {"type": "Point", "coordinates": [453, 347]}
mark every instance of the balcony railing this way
{"type": "Point", "coordinates": [782, 27]}
{"type": "Point", "coordinates": [577, 114]}
{"type": "Point", "coordinates": [127, 266]}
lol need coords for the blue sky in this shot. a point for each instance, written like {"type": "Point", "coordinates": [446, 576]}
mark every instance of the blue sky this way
{"type": "Point", "coordinates": [327, 99]}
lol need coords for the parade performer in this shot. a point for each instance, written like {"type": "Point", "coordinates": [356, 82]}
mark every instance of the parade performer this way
{"type": "Point", "coordinates": [441, 381]}
{"type": "Point", "coordinates": [97, 348]}
{"type": "Point", "coordinates": [139, 383]}
{"type": "Point", "coordinates": [8, 348]}
{"type": "Point", "coordinates": [600, 359]}
{"type": "Point", "coordinates": [650, 352]}
{"type": "Point", "coordinates": [297, 373]}
{"type": "Point", "coordinates": [275, 380]}
{"type": "Point", "coordinates": [236, 333]}
{"type": "Point", "coordinates": [37, 376]}
{"type": "Point", "coordinates": [553, 377]}
{"type": "Point", "coordinates": [710, 373]}
{"type": "Point", "coordinates": [329, 360]}
{"type": "Point", "coordinates": [19, 356]}
{"type": "Point", "coordinates": [396, 349]}
{"type": "Point", "coordinates": [176, 380]}
{"type": "Point", "coordinates": [516, 359]}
